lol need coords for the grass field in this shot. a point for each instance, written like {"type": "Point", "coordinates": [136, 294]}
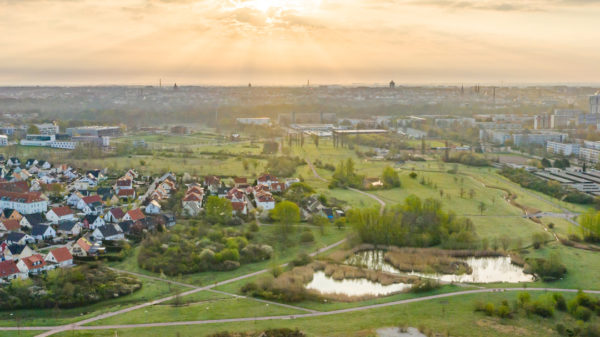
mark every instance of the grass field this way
{"type": "Point", "coordinates": [453, 315]}
{"type": "Point", "coordinates": [205, 306]}
{"type": "Point", "coordinates": [48, 317]}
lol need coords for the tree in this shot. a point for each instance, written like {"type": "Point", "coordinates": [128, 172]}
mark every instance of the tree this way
{"type": "Point", "coordinates": [320, 221]}
{"type": "Point", "coordinates": [546, 163]}
{"type": "Point", "coordinates": [298, 191]}
{"type": "Point", "coordinates": [218, 210]}
{"type": "Point", "coordinates": [33, 130]}
{"type": "Point", "coordinates": [390, 177]}
{"type": "Point", "coordinates": [471, 193]}
{"type": "Point", "coordinates": [482, 207]}
{"type": "Point", "coordinates": [287, 213]}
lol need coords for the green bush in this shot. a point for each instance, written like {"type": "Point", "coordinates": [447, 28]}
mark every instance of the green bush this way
{"type": "Point", "coordinates": [307, 237]}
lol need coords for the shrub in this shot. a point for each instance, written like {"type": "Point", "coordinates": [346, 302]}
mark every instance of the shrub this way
{"type": "Point", "coordinates": [504, 311]}
{"type": "Point", "coordinates": [560, 302]}
{"type": "Point", "coordinates": [254, 227]}
{"type": "Point", "coordinates": [582, 313]}
{"type": "Point", "coordinates": [488, 309]}
{"type": "Point", "coordinates": [307, 237]}
{"type": "Point", "coordinates": [542, 307]}
{"type": "Point", "coordinates": [412, 175]}
{"type": "Point", "coordinates": [301, 260]}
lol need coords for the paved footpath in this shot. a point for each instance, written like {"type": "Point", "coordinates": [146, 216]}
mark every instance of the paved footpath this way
{"type": "Point", "coordinates": [77, 326]}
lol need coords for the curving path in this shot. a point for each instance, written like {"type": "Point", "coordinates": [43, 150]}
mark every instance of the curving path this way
{"type": "Point", "coordinates": [372, 196]}
{"type": "Point", "coordinates": [77, 326]}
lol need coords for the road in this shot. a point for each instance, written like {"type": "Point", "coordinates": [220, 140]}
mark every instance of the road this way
{"type": "Point", "coordinates": [77, 326]}
{"type": "Point", "coordinates": [372, 196]}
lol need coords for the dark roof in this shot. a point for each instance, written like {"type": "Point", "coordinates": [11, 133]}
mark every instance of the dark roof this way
{"type": "Point", "coordinates": [94, 173]}
{"type": "Point", "coordinates": [39, 230]}
{"type": "Point", "coordinates": [16, 249]}
{"type": "Point", "coordinates": [34, 219]}
{"type": "Point", "coordinates": [108, 230]}
{"type": "Point", "coordinates": [90, 218]}
{"type": "Point", "coordinates": [117, 212]}
{"type": "Point", "coordinates": [14, 236]}
{"type": "Point", "coordinates": [66, 225]}
{"type": "Point", "coordinates": [7, 212]}
{"type": "Point", "coordinates": [126, 225]}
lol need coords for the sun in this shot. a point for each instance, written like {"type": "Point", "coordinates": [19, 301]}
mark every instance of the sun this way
{"type": "Point", "coordinates": [302, 6]}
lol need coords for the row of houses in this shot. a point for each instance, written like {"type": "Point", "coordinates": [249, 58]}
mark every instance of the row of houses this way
{"type": "Point", "coordinates": [20, 262]}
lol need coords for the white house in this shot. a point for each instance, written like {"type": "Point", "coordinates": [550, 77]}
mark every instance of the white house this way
{"type": "Point", "coordinates": [25, 203]}
{"type": "Point", "coordinates": [264, 201]}
{"type": "Point", "coordinates": [70, 228]}
{"type": "Point", "coordinates": [43, 232]}
{"type": "Point", "coordinates": [92, 221]}
{"type": "Point", "coordinates": [60, 257]}
{"type": "Point", "coordinates": [10, 271]}
{"type": "Point", "coordinates": [114, 215]}
{"type": "Point", "coordinates": [153, 207]}
{"type": "Point", "coordinates": [109, 232]}
{"type": "Point", "coordinates": [18, 238]}
{"type": "Point", "coordinates": [34, 264]}
{"type": "Point", "coordinates": [58, 214]}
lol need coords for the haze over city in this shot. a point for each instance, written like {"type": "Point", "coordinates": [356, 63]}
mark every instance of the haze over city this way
{"type": "Point", "coordinates": [274, 42]}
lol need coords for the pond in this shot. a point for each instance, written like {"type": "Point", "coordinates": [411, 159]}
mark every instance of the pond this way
{"type": "Point", "coordinates": [485, 269]}
{"type": "Point", "coordinates": [352, 287]}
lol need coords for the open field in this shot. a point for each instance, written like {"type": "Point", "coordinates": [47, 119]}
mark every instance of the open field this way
{"type": "Point", "coordinates": [204, 306]}
{"type": "Point", "coordinates": [47, 317]}
{"type": "Point", "coordinates": [453, 315]}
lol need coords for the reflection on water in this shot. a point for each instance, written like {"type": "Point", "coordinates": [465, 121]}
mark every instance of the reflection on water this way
{"type": "Point", "coordinates": [485, 269]}
{"type": "Point", "coordinates": [352, 287]}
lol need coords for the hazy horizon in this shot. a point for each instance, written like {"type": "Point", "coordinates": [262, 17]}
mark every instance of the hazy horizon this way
{"type": "Point", "coordinates": [286, 43]}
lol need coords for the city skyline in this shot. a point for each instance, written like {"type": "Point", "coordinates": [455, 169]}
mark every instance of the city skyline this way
{"type": "Point", "coordinates": [271, 42]}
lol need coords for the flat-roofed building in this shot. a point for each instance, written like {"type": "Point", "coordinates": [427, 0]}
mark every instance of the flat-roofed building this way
{"type": "Point", "coordinates": [565, 149]}
{"type": "Point", "coordinates": [254, 121]}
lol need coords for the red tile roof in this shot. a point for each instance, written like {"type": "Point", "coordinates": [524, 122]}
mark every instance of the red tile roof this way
{"type": "Point", "coordinates": [192, 197]}
{"type": "Point", "coordinates": [8, 268]}
{"type": "Point", "coordinates": [126, 192]}
{"type": "Point", "coordinates": [117, 213]}
{"type": "Point", "coordinates": [92, 198]}
{"type": "Point", "coordinates": [27, 197]}
{"type": "Point", "coordinates": [34, 262]}
{"type": "Point", "coordinates": [124, 182]}
{"type": "Point", "coordinates": [61, 254]}
{"type": "Point", "coordinates": [16, 186]}
{"type": "Point", "coordinates": [84, 244]}
{"type": "Point", "coordinates": [11, 225]}
{"type": "Point", "coordinates": [136, 214]}
{"type": "Point", "coordinates": [238, 206]}
{"type": "Point", "coordinates": [62, 211]}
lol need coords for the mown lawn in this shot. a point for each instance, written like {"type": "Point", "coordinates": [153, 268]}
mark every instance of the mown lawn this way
{"type": "Point", "coordinates": [454, 316]}
{"type": "Point", "coordinates": [205, 306]}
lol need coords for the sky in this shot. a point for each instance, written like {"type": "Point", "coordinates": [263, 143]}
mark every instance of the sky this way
{"type": "Point", "coordinates": [276, 42]}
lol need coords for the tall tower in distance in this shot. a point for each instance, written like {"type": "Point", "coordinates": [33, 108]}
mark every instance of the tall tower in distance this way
{"type": "Point", "coordinates": [392, 84]}
{"type": "Point", "coordinates": [595, 103]}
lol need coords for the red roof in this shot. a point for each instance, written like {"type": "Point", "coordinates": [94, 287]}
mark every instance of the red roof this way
{"type": "Point", "coordinates": [267, 177]}
{"type": "Point", "coordinates": [136, 214]}
{"type": "Point", "coordinates": [126, 192]}
{"type": "Point", "coordinates": [84, 244]}
{"type": "Point", "coordinates": [238, 206]}
{"type": "Point", "coordinates": [34, 262]}
{"type": "Point", "coordinates": [11, 225]}
{"type": "Point", "coordinates": [27, 197]}
{"type": "Point", "coordinates": [192, 197]}
{"type": "Point", "coordinates": [124, 182]}
{"type": "Point", "coordinates": [264, 198]}
{"type": "Point", "coordinates": [61, 254]}
{"type": "Point", "coordinates": [195, 189]}
{"type": "Point", "coordinates": [117, 213]}
{"type": "Point", "coordinates": [240, 180]}
{"type": "Point", "coordinates": [8, 268]}
{"type": "Point", "coordinates": [62, 211]}
{"type": "Point", "coordinates": [212, 180]}
{"type": "Point", "coordinates": [91, 199]}
{"type": "Point", "coordinates": [15, 186]}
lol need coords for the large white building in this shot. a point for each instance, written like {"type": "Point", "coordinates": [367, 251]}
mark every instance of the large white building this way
{"type": "Point", "coordinates": [565, 149]}
{"type": "Point", "coordinates": [589, 155]}
{"type": "Point", "coordinates": [3, 140]}
{"type": "Point", "coordinates": [38, 140]}
{"type": "Point", "coordinates": [47, 128]}
{"type": "Point", "coordinates": [24, 203]}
